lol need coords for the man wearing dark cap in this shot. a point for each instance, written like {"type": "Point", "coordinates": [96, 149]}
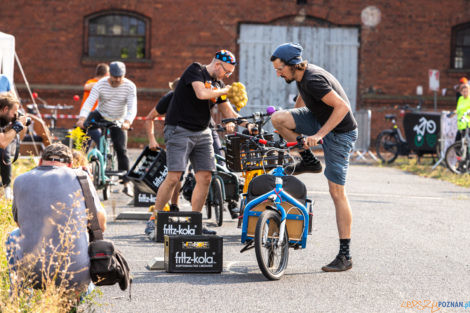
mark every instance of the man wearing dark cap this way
{"type": "Point", "coordinates": [49, 208]}
{"type": "Point", "coordinates": [117, 102]}
{"type": "Point", "coordinates": [187, 134]}
{"type": "Point", "coordinates": [322, 113]}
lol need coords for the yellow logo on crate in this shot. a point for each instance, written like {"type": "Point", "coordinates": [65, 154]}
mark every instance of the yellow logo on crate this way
{"type": "Point", "coordinates": [195, 244]}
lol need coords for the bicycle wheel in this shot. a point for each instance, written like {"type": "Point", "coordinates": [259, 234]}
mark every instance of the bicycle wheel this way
{"type": "Point", "coordinates": [106, 192]}
{"type": "Point", "coordinates": [456, 158]}
{"type": "Point", "coordinates": [387, 146]}
{"type": "Point", "coordinates": [96, 173]}
{"type": "Point", "coordinates": [272, 258]}
{"type": "Point", "coordinates": [218, 201]}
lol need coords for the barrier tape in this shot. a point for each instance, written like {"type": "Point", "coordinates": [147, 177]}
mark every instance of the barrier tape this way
{"type": "Point", "coordinates": [72, 116]}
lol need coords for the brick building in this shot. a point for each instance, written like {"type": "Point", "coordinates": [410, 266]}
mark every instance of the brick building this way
{"type": "Point", "coordinates": [392, 45]}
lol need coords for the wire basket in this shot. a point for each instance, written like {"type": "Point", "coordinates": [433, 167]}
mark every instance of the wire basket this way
{"type": "Point", "coordinates": [243, 155]}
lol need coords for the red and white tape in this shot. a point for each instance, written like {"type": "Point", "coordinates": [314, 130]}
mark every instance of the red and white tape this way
{"type": "Point", "coordinates": [72, 116]}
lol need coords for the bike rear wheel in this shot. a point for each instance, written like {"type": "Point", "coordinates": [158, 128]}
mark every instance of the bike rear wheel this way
{"type": "Point", "coordinates": [272, 258]}
{"type": "Point", "coordinates": [387, 146]}
{"type": "Point", "coordinates": [456, 158]}
{"type": "Point", "coordinates": [218, 202]}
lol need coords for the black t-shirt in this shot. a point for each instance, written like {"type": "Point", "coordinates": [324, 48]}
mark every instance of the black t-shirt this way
{"type": "Point", "coordinates": [315, 84]}
{"type": "Point", "coordinates": [185, 109]}
{"type": "Point", "coordinates": [162, 105]}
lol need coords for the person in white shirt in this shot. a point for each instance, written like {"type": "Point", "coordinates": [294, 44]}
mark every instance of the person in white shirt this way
{"type": "Point", "coordinates": [117, 101]}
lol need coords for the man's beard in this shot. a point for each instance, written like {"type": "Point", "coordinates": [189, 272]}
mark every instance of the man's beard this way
{"type": "Point", "coordinates": [288, 80]}
{"type": "Point", "coordinates": [4, 121]}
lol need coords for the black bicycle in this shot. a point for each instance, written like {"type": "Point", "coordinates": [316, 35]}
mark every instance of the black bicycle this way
{"type": "Point", "coordinates": [457, 156]}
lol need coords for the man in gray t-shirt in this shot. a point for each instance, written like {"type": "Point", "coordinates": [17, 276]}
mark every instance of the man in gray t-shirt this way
{"type": "Point", "coordinates": [49, 208]}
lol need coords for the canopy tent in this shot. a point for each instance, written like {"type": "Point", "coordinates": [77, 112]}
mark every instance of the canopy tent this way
{"type": "Point", "coordinates": [7, 55]}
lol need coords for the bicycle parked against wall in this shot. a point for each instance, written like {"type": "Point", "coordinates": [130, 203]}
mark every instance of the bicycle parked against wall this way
{"type": "Point", "coordinates": [391, 143]}
{"type": "Point", "coordinates": [102, 159]}
{"type": "Point", "coordinates": [457, 156]}
{"type": "Point", "coordinates": [277, 215]}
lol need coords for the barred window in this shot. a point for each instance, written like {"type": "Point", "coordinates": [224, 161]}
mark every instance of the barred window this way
{"type": "Point", "coordinates": [461, 46]}
{"type": "Point", "coordinates": [117, 35]}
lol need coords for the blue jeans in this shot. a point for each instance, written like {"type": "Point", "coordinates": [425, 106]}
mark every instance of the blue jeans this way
{"type": "Point", "coordinates": [13, 254]}
{"type": "Point", "coordinates": [336, 146]}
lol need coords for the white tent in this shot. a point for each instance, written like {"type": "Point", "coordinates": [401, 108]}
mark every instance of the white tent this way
{"type": "Point", "coordinates": [7, 55]}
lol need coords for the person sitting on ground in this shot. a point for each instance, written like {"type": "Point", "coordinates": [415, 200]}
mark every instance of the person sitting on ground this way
{"type": "Point", "coordinates": [49, 208]}
{"type": "Point", "coordinates": [463, 105]}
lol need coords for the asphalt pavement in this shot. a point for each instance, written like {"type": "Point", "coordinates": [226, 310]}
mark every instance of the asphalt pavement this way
{"type": "Point", "coordinates": [410, 243]}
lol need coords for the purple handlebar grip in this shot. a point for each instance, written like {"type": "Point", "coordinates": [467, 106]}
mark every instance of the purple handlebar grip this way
{"type": "Point", "coordinates": [270, 110]}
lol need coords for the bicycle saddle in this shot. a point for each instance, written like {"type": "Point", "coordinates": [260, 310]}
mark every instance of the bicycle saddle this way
{"type": "Point", "coordinates": [264, 183]}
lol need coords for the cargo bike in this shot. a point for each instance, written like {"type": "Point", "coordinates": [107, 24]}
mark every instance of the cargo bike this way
{"type": "Point", "coordinates": [277, 214]}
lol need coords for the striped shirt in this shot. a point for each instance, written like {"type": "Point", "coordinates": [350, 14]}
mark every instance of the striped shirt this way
{"type": "Point", "coordinates": [114, 103]}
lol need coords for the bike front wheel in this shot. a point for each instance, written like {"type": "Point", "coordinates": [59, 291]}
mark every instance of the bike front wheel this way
{"type": "Point", "coordinates": [456, 158]}
{"type": "Point", "coordinates": [387, 146]}
{"type": "Point", "coordinates": [272, 256]}
{"type": "Point", "coordinates": [96, 173]}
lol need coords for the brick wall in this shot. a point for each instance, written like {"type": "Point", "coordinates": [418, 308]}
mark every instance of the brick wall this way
{"type": "Point", "coordinates": [412, 37]}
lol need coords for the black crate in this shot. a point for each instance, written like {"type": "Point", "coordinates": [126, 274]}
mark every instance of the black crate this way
{"type": "Point", "coordinates": [193, 254]}
{"type": "Point", "coordinates": [142, 198]}
{"type": "Point", "coordinates": [177, 224]}
{"type": "Point", "coordinates": [149, 171]}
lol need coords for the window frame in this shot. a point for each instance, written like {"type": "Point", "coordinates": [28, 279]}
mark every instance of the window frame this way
{"type": "Point", "coordinates": [455, 30]}
{"type": "Point", "coordinates": [86, 58]}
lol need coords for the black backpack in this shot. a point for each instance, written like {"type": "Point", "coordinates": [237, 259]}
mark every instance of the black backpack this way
{"type": "Point", "coordinates": [107, 264]}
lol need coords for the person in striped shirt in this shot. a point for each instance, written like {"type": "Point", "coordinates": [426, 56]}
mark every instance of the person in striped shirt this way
{"type": "Point", "coordinates": [117, 102]}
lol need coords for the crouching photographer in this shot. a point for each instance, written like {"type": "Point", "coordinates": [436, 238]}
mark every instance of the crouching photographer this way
{"type": "Point", "coordinates": [11, 124]}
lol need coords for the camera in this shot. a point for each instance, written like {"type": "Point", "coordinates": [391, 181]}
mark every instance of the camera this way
{"type": "Point", "coordinates": [28, 119]}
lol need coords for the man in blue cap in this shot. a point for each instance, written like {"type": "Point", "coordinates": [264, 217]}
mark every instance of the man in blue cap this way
{"type": "Point", "coordinates": [117, 101]}
{"type": "Point", "coordinates": [322, 112]}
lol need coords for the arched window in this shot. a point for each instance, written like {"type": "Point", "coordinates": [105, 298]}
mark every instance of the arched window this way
{"type": "Point", "coordinates": [117, 35]}
{"type": "Point", "coordinates": [461, 46]}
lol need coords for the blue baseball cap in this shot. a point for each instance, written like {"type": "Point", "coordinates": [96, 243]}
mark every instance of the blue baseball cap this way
{"type": "Point", "coordinates": [289, 53]}
{"type": "Point", "coordinates": [226, 56]}
{"type": "Point", "coordinates": [117, 69]}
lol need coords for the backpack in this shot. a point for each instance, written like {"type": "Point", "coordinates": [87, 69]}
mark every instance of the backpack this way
{"type": "Point", "coordinates": [107, 264]}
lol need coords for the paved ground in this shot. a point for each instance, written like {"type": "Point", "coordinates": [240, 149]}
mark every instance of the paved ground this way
{"type": "Point", "coordinates": [410, 242]}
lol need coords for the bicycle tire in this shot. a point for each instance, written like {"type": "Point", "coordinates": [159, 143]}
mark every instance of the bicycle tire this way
{"type": "Point", "coordinates": [218, 201]}
{"type": "Point", "coordinates": [106, 192]}
{"type": "Point", "coordinates": [96, 173]}
{"type": "Point", "coordinates": [387, 146]}
{"type": "Point", "coordinates": [266, 244]}
{"type": "Point", "coordinates": [454, 161]}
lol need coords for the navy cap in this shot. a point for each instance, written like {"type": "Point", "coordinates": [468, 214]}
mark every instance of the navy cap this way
{"type": "Point", "coordinates": [226, 56]}
{"type": "Point", "coordinates": [117, 69]}
{"type": "Point", "coordinates": [290, 53]}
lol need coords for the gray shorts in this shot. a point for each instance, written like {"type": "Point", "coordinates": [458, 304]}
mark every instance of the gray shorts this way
{"type": "Point", "coordinates": [183, 144]}
{"type": "Point", "coordinates": [336, 146]}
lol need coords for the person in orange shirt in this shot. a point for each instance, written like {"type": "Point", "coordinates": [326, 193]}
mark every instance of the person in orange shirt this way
{"type": "Point", "coordinates": [102, 70]}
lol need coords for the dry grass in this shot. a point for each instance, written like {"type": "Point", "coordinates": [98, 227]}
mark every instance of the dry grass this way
{"type": "Point", "coordinates": [424, 168]}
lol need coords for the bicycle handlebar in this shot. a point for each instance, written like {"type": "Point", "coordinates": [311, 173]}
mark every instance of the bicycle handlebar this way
{"type": "Point", "coordinates": [255, 116]}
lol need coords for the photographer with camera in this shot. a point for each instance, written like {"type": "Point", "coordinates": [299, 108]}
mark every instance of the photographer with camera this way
{"type": "Point", "coordinates": [10, 125]}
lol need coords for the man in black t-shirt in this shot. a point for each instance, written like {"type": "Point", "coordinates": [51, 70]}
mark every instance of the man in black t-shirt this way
{"type": "Point", "coordinates": [187, 134]}
{"type": "Point", "coordinates": [322, 113]}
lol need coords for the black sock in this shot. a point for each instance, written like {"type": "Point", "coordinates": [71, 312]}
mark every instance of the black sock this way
{"type": "Point", "coordinates": [344, 248]}
{"type": "Point", "coordinates": [308, 156]}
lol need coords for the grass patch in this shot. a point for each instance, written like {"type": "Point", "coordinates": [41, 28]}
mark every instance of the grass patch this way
{"type": "Point", "coordinates": [424, 168]}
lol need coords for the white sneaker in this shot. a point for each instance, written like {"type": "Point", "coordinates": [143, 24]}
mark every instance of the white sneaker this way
{"type": "Point", "coordinates": [8, 193]}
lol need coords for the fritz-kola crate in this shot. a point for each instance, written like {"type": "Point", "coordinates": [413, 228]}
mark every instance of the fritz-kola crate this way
{"type": "Point", "coordinates": [150, 170]}
{"type": "Point", "coordinates": [177, 223]}
{"type": "Point", "coordinates": [193, 254]}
